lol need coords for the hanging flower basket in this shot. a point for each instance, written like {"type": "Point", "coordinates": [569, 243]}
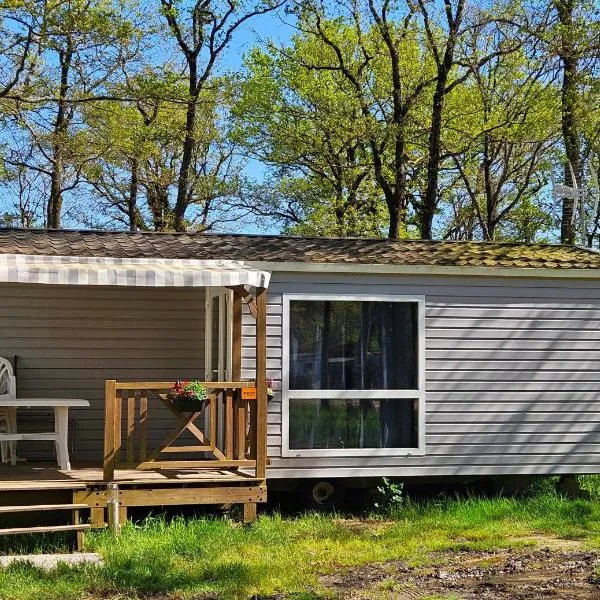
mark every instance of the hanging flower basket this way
{"type": "Point", "coordinates": [188, 396]}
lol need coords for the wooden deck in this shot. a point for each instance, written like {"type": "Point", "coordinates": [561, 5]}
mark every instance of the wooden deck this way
{"type": "Point", "coordinates": [84, 485]}
{"type": "Point", "coordinates": [221, 444]}
{"type": "Point", "coordinates": [46, 476]}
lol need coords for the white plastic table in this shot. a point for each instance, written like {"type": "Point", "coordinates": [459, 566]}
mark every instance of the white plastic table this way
{"type": "Point", "coordinates": [59, 436]}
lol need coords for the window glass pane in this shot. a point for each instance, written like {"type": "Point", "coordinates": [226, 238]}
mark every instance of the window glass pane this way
{"type": "Point", "coordinates": [353, 423]}
{"type": "Point", "coordinates": [353, 345]}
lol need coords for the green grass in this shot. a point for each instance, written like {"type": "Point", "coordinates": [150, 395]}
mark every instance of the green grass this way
{"type": "Point", "coordinates": [214, 558]}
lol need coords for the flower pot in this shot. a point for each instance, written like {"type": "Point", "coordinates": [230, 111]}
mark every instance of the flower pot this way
{"type": "Point", "coordinates": [187, 404]}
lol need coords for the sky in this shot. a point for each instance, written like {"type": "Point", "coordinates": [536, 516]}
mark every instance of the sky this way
{"type": "Point", "coordinates": [273, 26]}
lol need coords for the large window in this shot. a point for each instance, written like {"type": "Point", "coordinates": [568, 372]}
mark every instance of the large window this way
{"type": "Point", "coordinates": [353, 375]}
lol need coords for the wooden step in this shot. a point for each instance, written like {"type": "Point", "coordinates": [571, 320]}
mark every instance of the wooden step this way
{"type": "Point", "coordinates": [38, 485]}
{"type": "Point", "coordinates": [45, 529]}
{"type": "Point", "coordinates": [41, 507]}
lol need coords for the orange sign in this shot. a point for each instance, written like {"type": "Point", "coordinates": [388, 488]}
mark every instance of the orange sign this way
{"type": "Point", "coordinates": [249, 393]}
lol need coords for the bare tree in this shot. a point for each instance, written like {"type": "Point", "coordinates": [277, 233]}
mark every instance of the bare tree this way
{"type": "Point", "coordinates": [19, 35]}
{"type": "Point", "coordinates": [202, 31]}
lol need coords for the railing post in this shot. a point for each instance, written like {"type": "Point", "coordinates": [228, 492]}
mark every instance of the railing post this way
{"type": "Point", "coordinates": [261, 382]}
{"type": "Point", "coordinates": [112, 508]}
{"type": "Point", "coordinates": [109, 430]}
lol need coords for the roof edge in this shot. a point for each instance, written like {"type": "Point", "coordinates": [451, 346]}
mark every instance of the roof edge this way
{"type": "Point", "coordinates": [390, 269]}
{"type": "Point", "coordinates": [284, 236]}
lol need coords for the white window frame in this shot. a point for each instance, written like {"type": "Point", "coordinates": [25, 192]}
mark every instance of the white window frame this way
{"type": "Point", "coordinates": [286, 393]}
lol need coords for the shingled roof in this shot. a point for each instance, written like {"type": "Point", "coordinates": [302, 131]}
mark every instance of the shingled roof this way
{"type": "Point", "coordinates": [275, 248]}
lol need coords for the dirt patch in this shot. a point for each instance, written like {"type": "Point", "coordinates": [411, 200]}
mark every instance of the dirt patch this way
{"type": "Point", "coordinates": [502, 575]}
{"type": "Point", "coordinates": [545, 541]}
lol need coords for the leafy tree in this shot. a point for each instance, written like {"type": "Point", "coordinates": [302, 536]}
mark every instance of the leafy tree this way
{"type": "Point", "coordinates": [442, 41]}
{"type": "Point", "coordinates": [503, 146]}
{"type": "Point", "coordinates": [568, 32]}
{"type": "Point", "coordinates": [306, 125]}
{"type": "Point", "coordinates": [20, 24]}
{"type": "Point", "coordinates": [388, 73]}
{"type": "Point", "coordinates": [82, 44]}
{"type": "Point", "coordinates": [136, 174]}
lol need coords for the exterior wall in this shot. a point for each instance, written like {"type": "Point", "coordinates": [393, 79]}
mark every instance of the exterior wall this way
{"type": "Point", "coordinates": [512, 366]}
{"type": "Point", "coordinates": [512, 375]}
{"type": "Point", "coordinates": [69, 340]}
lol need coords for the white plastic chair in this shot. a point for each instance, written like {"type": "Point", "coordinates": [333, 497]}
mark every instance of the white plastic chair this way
{"type": "Point", "coordinates": [8, 416]}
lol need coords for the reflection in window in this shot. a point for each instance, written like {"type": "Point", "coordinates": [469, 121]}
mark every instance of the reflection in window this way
{"type": "Point", "coordinates": [333, 423]}
{"type": "Point", "coordinates": [353, 345]}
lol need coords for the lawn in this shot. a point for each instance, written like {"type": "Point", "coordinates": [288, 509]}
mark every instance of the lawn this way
{"type": "Point", "coordinates": [296, 557]}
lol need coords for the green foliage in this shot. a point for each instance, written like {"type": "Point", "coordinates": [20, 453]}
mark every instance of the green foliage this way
{"type": "Point", "coordinates": [221, 558]}
{"type": "Point", "coordinates": [542, 485]}
{"type": "Point", "coordinates": [301, 116]}
{"type": "Point", "coordinates": [504, 146]}
{"type": "Point", "coordinates": [591, 485]}
{"type": "Point", "coordinates": [333, 144]}
{"type": "Point", "coordinates": [389, 496]}
{"type": "Point", "coordinates": [144, 138]}
{"type": "Point", "coordinates": [307, 126]}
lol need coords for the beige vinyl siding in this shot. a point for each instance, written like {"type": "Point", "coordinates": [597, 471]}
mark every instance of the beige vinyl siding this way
{"type": "Point", "coordinates": [512, 367]}
{"type": "Point", "coordinates": [70, 339]}
{"type": "Point", "coordinates": [512, 375]}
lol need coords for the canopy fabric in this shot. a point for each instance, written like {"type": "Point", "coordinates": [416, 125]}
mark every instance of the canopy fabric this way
{"type": "Point", "coordinates": [139, 272]}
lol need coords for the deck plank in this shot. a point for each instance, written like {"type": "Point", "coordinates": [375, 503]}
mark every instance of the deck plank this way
{"type": "Point", "coordinates": [44, 476]}
{"type": "Point", "coordinates": [45, 529]}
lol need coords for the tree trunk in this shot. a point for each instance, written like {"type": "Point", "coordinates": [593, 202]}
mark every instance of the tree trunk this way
{"type": "Point", "coordinates": [132, 211]}
{"type": "Point", "coordinates": [158, 202]}
{"type": "Point", "coordinates": [340, 208]}
{"type": "Point", "coordinates": [397, 200]}
{"type": "Point", "coordinates": [433, 161]}
{"type": "Point", "coordinates": [395, 194]}
{"type": "Point", "coordinates": [569, 61]}
{"type": "Point", "coordinates": [61, 123]}
{"type": "Point", "coordinates": [396, 222]}
{"type": "Point", "coordinates": [396, 203]}
{"type": "Point", "coordinates": [188, 147]}
{"type": "Point", "coordinates": [490, 200]}
{"type": "Point", "coordinates": [55, 200]}
{"type": "Point", "coordinates": [444, 66]}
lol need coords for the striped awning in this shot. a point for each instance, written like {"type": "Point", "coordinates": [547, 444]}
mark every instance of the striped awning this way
{"type": "Point", "coordinates": [140, 272]}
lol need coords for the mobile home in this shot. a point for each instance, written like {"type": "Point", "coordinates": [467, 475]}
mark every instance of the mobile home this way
{"type": "Point", "coordinates": [384, 357]}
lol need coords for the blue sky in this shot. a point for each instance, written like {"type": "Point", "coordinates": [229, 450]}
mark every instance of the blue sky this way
{"type": "Point", "coordinates": [273, 26]}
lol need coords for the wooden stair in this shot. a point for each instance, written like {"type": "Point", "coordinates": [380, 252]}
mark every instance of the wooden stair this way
{"type": "Point", "coordinates": [41, 507]}
{"type": "Point", "coordinates": [76, 526]}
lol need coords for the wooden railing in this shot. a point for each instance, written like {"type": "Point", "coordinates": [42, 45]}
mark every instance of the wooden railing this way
{"type": "Point", "coordinates": [239, 428]}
